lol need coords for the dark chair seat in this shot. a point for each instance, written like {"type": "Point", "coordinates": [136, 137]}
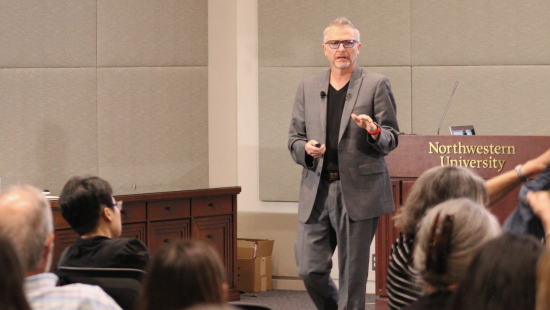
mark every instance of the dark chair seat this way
{"type": "Point", "coordinates": [122, 284]}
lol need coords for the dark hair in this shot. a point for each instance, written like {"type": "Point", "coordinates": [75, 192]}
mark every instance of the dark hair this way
{"type": "Point", "coordinates": [543, 282]}
{"type": "Point", "coordinates": [183, 274]}
{"type": "Point", "coordinates": [12, 296]}
{"type": "Point", "coordinates": [80, 202]}
{"type": "Point", "coordinates": [501, 276]}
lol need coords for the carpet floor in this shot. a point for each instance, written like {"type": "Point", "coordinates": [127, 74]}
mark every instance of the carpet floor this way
{"type": "Point", "coordinates": [289, 300]}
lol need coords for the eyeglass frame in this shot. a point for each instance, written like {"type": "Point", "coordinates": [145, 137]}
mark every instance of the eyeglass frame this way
{"type": "Point", "coordinates": [117, 204]}
{"type": "Point", "coordinates": [340, 42]}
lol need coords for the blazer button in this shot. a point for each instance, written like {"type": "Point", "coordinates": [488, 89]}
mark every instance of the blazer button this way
{"type": "Point", "coordinates": [318, 174]}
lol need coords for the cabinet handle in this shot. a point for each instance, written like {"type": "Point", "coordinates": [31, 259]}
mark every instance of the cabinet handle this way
{"type": "Point", "coordinates": [211, 236]}
{"type": "Point", "coordinates": [169, 208]}
{"type": "Point", "coordinates": [166, 240]}
{"type": "Point", "coordinates": [213, 204]}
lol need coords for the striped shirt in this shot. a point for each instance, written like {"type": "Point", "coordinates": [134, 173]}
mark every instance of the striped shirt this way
{"type": "Point", "coordinates": [42, 294]}
{"type": "Point", "coordinates": [402, 286]}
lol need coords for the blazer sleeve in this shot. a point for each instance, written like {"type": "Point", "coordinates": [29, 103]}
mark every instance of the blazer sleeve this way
{"type": "Point", "coordinates": [385, 116]}
{"type": "Point", "coordinates": [297, 136]}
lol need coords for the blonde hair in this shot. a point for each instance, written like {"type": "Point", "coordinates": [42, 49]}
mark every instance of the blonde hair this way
{"type": "Point", "coordinates": [28, 229]}
{"type": "Point", "coordinates": [341, 22]}
{"type": "Point", "coordinates": [472, 226]}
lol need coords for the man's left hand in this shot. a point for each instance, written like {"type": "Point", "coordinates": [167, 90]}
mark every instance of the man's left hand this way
{"type": "Point", "coordinates": [366, 122]}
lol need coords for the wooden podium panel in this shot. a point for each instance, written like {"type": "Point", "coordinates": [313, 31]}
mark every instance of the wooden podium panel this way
{"type": "Point", "coordinates": [488, 156]}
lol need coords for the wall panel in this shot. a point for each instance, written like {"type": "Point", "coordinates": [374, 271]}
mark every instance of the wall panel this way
{"type": "Point", "coordinates": [47, 34]}
{"type": "Point", "coordinates": [152, 33]}
{"type": "Point", "coordinates": [497, 100]}
{"type": "Point", "coordinates": [479, 33]}
{"type": "Point", "coordinates": [153, 128]}
{"type": "Point", "coordinates": [290, 32]}
{"type": "Point", "coordinates": [48, 127]}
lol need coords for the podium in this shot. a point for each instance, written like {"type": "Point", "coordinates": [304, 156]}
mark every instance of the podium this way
{"type": "Point", "coordinates": [488, 156]}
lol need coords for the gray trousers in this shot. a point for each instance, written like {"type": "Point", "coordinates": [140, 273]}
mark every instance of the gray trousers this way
{"type": "Point", "coordinates": [316, 240]}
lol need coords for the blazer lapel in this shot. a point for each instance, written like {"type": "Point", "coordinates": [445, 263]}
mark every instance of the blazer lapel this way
{"type": "Point", "coordinates": [351, 99]}
{"type": "Point", "coordinates": [323, 87]}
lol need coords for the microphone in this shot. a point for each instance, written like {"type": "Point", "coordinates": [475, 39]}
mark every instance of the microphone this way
{"type": "Point", "coordinates": [323, 95]}
{"type": "Point", "coordinates": [447, 108]}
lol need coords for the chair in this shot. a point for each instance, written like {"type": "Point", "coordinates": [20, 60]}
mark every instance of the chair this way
{"type": "Point", "coordinates": [122, 284]}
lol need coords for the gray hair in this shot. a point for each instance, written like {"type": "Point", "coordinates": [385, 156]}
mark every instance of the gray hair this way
{"type": "Point", "coordinates": [26, 218]}
{"type": "Point", "coordinates": [342, 22]}
{"type": "Point", "coordinates": [473, 225]}
{"type": "Point", "coordinates": [436, 186]}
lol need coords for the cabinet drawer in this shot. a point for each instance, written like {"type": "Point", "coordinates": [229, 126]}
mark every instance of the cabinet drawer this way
{"type": "Point", "coordinates": [133, 212]}
{"type": "Point", "coordinates": [211, 205]}
{"type": "Point", "coordinates": [168, 209]}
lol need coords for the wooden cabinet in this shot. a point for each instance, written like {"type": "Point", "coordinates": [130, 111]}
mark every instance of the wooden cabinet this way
{"type": "Point", "coordinates": [160, 218]}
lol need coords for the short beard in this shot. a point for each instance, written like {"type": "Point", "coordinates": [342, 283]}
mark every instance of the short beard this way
{"type": "Point", "coordinates": [342, 66]}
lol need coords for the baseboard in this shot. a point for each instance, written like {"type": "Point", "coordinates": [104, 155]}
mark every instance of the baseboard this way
{"type": "Point", "coordinates": [296, 284]}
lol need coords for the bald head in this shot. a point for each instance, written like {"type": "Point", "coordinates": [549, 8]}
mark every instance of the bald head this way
{"type": "Point", "coordinates": [26, 218]}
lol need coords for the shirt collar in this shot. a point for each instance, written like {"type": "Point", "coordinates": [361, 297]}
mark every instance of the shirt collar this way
{"type": "Point", "coordinates": [40, 281]}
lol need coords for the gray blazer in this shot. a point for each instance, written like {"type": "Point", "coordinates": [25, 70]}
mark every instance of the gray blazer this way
{"type": "Point", "coordinates": [363, 173]}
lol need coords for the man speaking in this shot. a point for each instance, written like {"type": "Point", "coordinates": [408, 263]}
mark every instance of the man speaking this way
{"type": "Point", "coordinates": [343, 124]}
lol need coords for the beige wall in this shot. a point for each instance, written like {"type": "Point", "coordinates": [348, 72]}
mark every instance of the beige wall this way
{"type": "Point", "coordinates": [495, 49]}
{"type": "Point", "coordinates": [113, 88]}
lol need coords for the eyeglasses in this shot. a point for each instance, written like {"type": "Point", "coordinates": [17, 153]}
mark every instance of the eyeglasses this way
{"type": "Point", "coordinates": [334, 44]}
{"type": "Point", "coordinates": [118, 204]}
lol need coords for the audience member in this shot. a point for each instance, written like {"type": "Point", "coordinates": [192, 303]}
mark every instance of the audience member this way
{"type": "Point", "coordinates": [433, 187]}
{"type": "Point", "coordinates": [12, 296]}
{"type": "Point", "coordinates": [448, 237]}
{"type": "Point", "coordinates": [538, 203]}
{"type": "Point", "coordinates": [26, 218]}
{"type": "Point", "coordinates": [87, 204]}
{"type": "Point", "coordinates": [214, 307]}
{"type": "Point", "coordinates": [525, 219]}
{"type": "Point", "coordinates": [543, 282]}
{"type": "Point", "coordinates": [184, 274]}
{"type": "Point", "coordinates": [501, 276]}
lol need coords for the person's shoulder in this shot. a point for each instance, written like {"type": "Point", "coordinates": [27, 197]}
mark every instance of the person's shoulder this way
{"type": "Point", "coordinates": [79, 294]}
{"type": "Point", "coordinates": [371, 74]}
{"type": "Point", "coordinates": [129, 243]}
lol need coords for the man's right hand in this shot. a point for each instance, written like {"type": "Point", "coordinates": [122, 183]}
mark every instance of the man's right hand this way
{"type": "Point", "coordinates": [314, 151]}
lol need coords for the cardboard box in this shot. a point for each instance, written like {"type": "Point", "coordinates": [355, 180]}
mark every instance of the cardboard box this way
{"type": "Point", "coordinates": [254, 248]}
{"type": "Point", "coordinates": [254, 264]}
{"type": "Point", "coordinates": [254, 275]}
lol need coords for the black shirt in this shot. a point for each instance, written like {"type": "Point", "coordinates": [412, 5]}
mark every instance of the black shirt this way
{"type": "Point", "coordinates": [336, 100]}
{"type": "Point", "coordinates": [102, 252]}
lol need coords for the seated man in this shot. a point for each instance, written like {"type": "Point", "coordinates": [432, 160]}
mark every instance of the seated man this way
{"type": "Point", "coordinates": [87, 204]}
{"type": "Point", "coordinates": [26, 219]}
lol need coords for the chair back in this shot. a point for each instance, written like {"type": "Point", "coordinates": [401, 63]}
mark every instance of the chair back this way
{"type": "Point", "coordinates": [122, 284]}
